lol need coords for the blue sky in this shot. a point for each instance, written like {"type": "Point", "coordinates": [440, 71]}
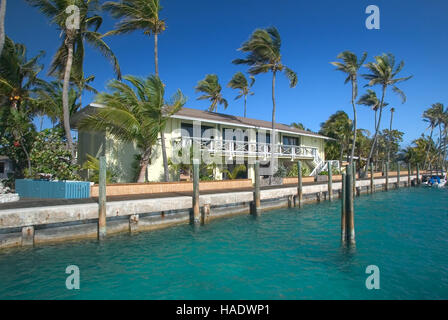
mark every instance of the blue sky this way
{"type": "Point", "coordinates": [203, 36]}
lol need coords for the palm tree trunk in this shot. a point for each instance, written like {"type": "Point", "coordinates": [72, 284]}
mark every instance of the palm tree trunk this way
{"type": "Point", "coordinates": [390, 137]}
{"type": "Point", "coordinates": [245, 102]}
{"type": "Point", "coordinates": [372, 149]}
{"type": "Point", "coordinates": [2, 24]}
{"type": "Point", "coordinates": [354, 120]}
{"type": "Point", "coordinates": [165, 159]}
{"type": "Point", "coordinates": [440, 144]}
{"type": "Point", "coordinates": [65, 87]}
{"type": "Point", "coordinates": [144, 165]}
{"type": "Point", "coordinates": [273, 169]}
{"type": "Point", "coordinates": [156, 53]}
{"type": "Point", "coordinates": [342, 154]}
{"type": "Point", "coordinates": [429, 145]}
{"type": "Point", "coordinates": [22, 144]}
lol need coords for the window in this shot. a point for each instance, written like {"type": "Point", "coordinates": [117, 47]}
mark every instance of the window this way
{"type": "Point", "coordinates": [267, 137]}
{"type": "Point", "coordinates": [290, 141]}
{"type": "Point", "coordinates": [189, 128]}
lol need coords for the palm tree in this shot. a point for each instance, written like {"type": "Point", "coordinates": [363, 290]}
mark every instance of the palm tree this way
{"type": "Point", "coordinates": [134, 114]}
{"type": "Point", "coordinates": [371, 100]}
{"type": "Point", "coordinates": [350, 65]}
{"type": "Point", "coordinates": [429, 116]}
{"type": "Point", "coordinates": [161, 111]}
{"type": "Point", "coordinates": [212, 91]}
{"type": "Point", "coordinates": [71, 52]}
{"type": "Point", "coordinates": [138, 15]}
{"type": "Point", "coordinates": [263, 55]}
{"type": "Point", "coordinates": [338, 127]}
{"type": "Point", "coordinates": [383, 73]}
{"type": "Point", "coordinates": [392, 110]}
{"type": "Point", "coordinates": [18, 75]}
{"type": "Point", "coordinates": [2, 24]}
{"type": "Point", "coordinates": [49, 100]}
{"type": "Point", "coordinates": [240, 82]}
{"type": "Point", "coordinates": [439, 115]}
{"type": "Point", "coordinates": [298, 125]}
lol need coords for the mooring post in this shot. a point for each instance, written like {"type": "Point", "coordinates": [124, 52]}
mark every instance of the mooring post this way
{"type": "Point", "coordinates": [350, 208]}
{"type": "Point", "coordinates": [344, 208]}
{"type": "Point", "coordinates": [354, 178]}
{"type": "Point", "coordinates": [398, 174]}
{"type": "Point", "coordinates": [372, 181]}
{"type": "Point", "coordinates": [418, 173]}
{"type": "Point", "coordinates": [299, 185]}
{"type": "Point", "coordinates": [256, 204]}
{"type": "Point", "coordinates": [409, 174]}
{"type": "Point", "coordinates": [387, 176]}
{"type": "Point", "coordinates": [330, 182]}
{"type": "Point", "coordinates": [102, 199]}
{"type": "Point", "coordinates": [196, 212]}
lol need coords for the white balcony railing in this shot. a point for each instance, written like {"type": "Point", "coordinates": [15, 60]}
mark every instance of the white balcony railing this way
{"type": "Point", "coordinates": [244, 148]}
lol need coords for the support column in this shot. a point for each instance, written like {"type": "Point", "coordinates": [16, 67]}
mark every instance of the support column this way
{"type": "Point", "coordinates": [350, 208]}
{"type": "Point", "coordinates": [102, 200]}
{"type": "Point", "coordinates": [409, 174]}
{"type": "Point", "coordinates": [418, 174]}
{"type": "Point", "coordinates": [196, 213]}
{"type": "Point", "coordinates": [344, 208]}
{"type": "Point", "coordinates": [299, 183]}
{"type": "Point", "coordinates": [330, 182]}
{"type": "Point", "coordinates": [387, 176]}
{"type": "Point", "coordinates": [256, 204]}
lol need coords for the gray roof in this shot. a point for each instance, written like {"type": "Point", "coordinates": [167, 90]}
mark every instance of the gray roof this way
{"type": "Point", "coordinates": [189, 113]}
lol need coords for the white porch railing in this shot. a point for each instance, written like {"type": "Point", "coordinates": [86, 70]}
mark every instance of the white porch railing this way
{"type": "Point", "coordinates": [232, 148]}
{"type": "Point", "coordinates": [244, 148]}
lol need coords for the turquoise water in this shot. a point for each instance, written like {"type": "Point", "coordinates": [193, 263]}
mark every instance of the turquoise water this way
{"type": "Point", "coordinates": [284, 254]}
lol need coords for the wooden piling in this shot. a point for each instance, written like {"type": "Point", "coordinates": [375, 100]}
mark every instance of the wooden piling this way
{"type": "Point", "coordinates": [330, 182]}
{"type": "Point", "coordinates": [354, 178]}
{"type": "Point", "coordinates": [418, 174]}
{"type": "Point", "coordinates": [387, 176]}
{"type": "Point", "coordinates": [409, 174]}
{"type": "Point", "coordinates": [256, 205]}
{"type": "Point", "coordinates": [299, 183]}
{"type": "Point", "coordinates": [196, 212]}
{"type": "Point", "coordinates": [344, 208]}
{"type": "Point", "coordinates": [398, 175]}
{"type": "Point", "coordinates": [372, 181]}
{"type": "Point", "coordinates": [350, 209]}
{"type": "Point", "coordinates": [102, 200]}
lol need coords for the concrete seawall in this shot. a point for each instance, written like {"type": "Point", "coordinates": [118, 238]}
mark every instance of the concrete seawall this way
{"type": "Point", "coordinates": [49, 224]}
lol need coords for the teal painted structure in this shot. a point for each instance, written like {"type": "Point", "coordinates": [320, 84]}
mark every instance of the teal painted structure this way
{"type": "Point", "coordinates": [45, 189]}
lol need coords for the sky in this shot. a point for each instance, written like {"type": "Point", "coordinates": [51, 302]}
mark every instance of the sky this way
{"type": "Point", "coordinates": [202, 37]}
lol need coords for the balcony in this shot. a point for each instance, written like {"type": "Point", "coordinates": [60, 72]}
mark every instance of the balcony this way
{"type": "Point", "coordinates": [231, 148]}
